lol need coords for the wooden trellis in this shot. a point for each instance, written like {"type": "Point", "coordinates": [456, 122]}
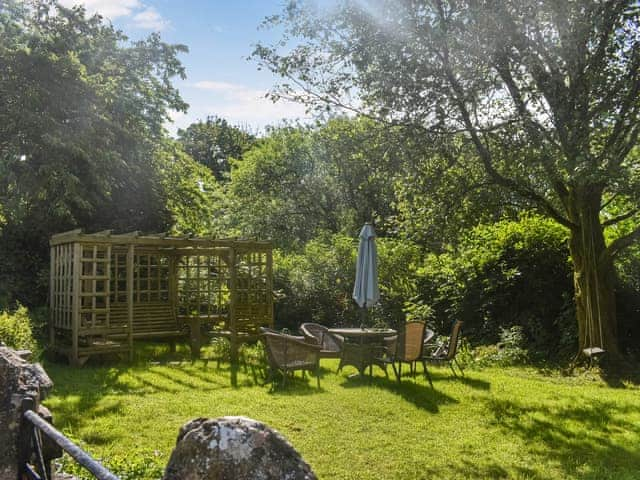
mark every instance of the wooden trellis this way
{"type": "Point", "coordinates": [107, 290]}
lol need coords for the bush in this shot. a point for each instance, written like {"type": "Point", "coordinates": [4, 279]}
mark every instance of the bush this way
{"type": "Point", "coordinates": [508, 352]}
{"type": "Point", "coordinates": [628, 299]}
{"type": "Point", "coordinates": [505, 274]}
{"type": "Point", "coordinates": [15, 330]}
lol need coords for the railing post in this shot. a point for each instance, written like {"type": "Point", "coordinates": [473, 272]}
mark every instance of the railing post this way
{"type": "Point", "coordinates": [74, 451]}
{"type": "Point", "coordinates": [26, 429]}
{"type": "Point", "coordinates": [31, 443]}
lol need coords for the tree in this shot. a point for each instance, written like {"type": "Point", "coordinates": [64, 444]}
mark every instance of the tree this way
{"type": "Point", "coordinates": [280, 191]}
{"type": "Point", "coordinates": [213, 142]}
{"type": "Point", "coordinates": [442, 192]}
{"type": "Point", "coordinates": [81, 112]}
{"type": "Point", "coordinates": [299, 181]}
{"type": "Point", "coordinates": [194, 198]}
{"type": "Point", "coordinates": [547, 92]}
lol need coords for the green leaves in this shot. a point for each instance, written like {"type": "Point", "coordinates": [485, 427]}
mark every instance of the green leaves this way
{"type": "Point", "coordinates": [81, 113]}
{"type": "Point", "coordinates": [194, 199]}
{"type": "Point", "coordinates": [504, 274]}
{"type": "Point", "coordinates": [214, 143]}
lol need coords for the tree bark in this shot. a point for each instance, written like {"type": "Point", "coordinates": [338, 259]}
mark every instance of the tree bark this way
{"type": "Point", "coordinates": [593, 272]}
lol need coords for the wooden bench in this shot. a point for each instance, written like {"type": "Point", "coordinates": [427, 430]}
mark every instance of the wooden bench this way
{"type": "Point", "coordinates": [152, 320]}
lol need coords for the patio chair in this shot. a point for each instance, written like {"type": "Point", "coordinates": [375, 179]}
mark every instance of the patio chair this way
{"type": "Point", "coordinates": [405, 348]}
{"type": "Point", "coordinates": [426, 346]}
{"type": "Point", "coordinates": [444, 352]}
{"type": "Point", "coordinates": [316, 334]}
{"type": "Point", "coordinates": [288, 353]}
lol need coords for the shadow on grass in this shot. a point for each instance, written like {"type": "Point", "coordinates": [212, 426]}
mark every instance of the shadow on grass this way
{"type": "Point", "coordinates": [443, 374]}
{"type": "Point", "coordinates": [584, 439]}
{"type": "Point", "coordinates": [189, 378]}
{"type": "Point", "coordinates": [81, 392]}
{"type": "Point", "coordinates": [419, 394]}
{"type": "Point", "coordinates": [617, 375]}
{"type": "Point", "coordinates": [296, 384]}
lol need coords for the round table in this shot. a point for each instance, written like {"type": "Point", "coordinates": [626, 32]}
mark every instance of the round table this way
{"type": "Point", "coordinates": [363, 347]}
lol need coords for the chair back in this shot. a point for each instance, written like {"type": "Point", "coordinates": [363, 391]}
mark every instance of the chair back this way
{"type": "Point", "coordinates": [409, 346]}
{"type": "Point", "coordinates": [276, 346]}
{"type": "Point", "coordinates": [456, 331]}
{"type": "Point", "coordinates": [285, 350]}
{"type": "Point", "coordinates": [320, 335]}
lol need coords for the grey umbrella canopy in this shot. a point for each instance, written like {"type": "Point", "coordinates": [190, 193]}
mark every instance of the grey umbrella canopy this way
{"type": "Point", "coordinates": [365, 290]}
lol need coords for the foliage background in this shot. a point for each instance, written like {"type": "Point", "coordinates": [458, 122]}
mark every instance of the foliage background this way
{"type": "Point", "coordinates": [82, 145]}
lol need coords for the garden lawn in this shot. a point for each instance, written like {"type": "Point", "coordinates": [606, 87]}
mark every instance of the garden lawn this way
{"type": "Point", "coordinates": [494, 423]}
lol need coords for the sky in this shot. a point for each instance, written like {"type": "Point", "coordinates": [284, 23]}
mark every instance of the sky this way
{"type": "Point", "coordinates": [220, 35]}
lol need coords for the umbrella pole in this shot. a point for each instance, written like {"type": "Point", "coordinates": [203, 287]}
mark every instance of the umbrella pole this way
{"type": "Point", "coordinates": [363, 316]}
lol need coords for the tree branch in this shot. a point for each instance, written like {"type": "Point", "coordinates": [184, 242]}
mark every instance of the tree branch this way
{"type": "Point", "coordinates": [484, 154]}
{"type": "Point", "coordinates": [620, 218]}
{"type": "Point", "coordinates": [623, 242]}
{"type": "Point", "coordinates": [605, 204]}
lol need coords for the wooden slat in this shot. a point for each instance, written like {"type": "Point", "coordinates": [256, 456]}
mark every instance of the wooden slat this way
{"type": "Point", "coordinates": [68, 233]}
{"type": "Point", "coordinates": [156, 241]}
{"type": "Point", "coordinates": [75, 316]}
{"type": "Point", "coordinates": [130, 275]}
{"type": "Point", "coordinates": [53, 296]}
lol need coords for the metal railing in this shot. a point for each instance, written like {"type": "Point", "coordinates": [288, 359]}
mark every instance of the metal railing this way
{"type": "Point", "coordinates": [34, 428]}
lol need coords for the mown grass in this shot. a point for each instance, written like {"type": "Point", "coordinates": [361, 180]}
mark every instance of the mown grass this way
{"type": "Point", "coordinates": [495, 423]}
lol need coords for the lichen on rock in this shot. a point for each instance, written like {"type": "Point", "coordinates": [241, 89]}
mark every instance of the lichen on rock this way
{"type": "Point", "coordinates": [234, 448]}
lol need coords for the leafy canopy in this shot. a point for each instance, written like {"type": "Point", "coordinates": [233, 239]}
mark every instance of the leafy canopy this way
{"type": "Point", "coordinates": [546, 92]}
{"type": "Point", "coordinates": [81, 112]}
{"type": "Point", "coordinates": [214, 143]}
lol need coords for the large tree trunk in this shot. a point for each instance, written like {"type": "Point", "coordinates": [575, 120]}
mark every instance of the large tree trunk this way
{"type": "Point", "coordinates": [594, 273]}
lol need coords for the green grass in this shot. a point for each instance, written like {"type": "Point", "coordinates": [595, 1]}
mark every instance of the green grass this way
{"type": "Point", "coordinates": [495, 423]}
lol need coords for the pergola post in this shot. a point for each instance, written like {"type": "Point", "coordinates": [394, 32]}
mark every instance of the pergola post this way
{"type": "Point", "coordinates": [75, 309]}
{"type": "Point", "coordinates": [53, 286]}
{"type": "Point", "coordinates": [270, 283]}
{"type": "Point", "coordinates": [172, 294]}
{"type": "Point", "coordinates": [233, 328]}
{"type": "Point", "coordinates": [130, 258]}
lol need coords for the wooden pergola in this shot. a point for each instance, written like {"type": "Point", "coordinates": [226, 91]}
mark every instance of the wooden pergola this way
{"type": "Point", "coordinates": [108, 289]}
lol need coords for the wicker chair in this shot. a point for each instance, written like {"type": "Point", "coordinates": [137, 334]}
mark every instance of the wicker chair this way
{"type": "Point", "coordinates": [330, 344]}
{"type": "Point", "coordinates": [405, 348]}
{"type": "Point", "coordinates": [444, 352]}
{"type": "Point", "coordinates": [288, 353]}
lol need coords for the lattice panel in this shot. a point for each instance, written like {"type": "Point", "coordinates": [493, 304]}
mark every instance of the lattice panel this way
{"type": "Point", "coordinates": [62, 286]}
{"type": "Point", "coordinates": [95, 280]}
{"type": "Point", "coordinates": [203, 286]}
{"type": "Point", "coordinates": [252, 279]}
{"type": "Point", "coordinates": [119, 276]}
{"type": "Point", "coordinates": [253, 291]}
{"type": "Point", "coordinates": [150, 278]}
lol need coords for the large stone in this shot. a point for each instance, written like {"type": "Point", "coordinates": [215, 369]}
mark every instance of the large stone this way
{"type": "Point", "coordinates": [19, 379]}
{"type": "Point", "coordinates": [234, 448]}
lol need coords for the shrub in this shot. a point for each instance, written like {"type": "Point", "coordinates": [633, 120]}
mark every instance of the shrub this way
{"type": "Point", "coordinates": [509, 351]}
{"type": "Point", "coordinates": [505, 274]}
{"type": "Point", "coordinates": [15, 330]}
{"type": "Point", "coordinates": [628, 299]}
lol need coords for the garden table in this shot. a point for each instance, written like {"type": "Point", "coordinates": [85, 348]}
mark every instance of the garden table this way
{"type": "Point", "coordinates": [362, 347]}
